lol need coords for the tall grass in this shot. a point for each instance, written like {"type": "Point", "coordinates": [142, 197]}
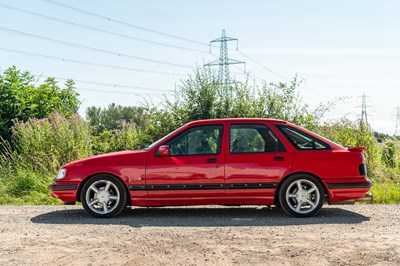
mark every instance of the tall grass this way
{"type": "Point", "coordinates": [20, 183]}
{"type": "Point", "coordinates": [386, 193]}
{"type": "Point", "coordinates": [49, 143]}
{"type": "Point", "coordinates": [39, 148]}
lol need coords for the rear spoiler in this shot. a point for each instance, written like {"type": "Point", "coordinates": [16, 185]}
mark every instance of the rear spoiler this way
{"type": "Point", "coordinates": [356, 149]}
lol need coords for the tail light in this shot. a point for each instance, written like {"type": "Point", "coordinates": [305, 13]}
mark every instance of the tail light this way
{"type": "Point", "coordinates": [362, 169]}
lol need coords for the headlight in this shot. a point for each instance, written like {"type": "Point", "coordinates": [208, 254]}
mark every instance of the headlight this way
{"type": "Point", "coordinates": [61, 173]}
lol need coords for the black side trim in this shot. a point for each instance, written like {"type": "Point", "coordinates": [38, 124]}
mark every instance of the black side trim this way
{"type": "Point", "coordinates": [137, 187]}
{"type": "Point", "coordinates": [250, 185]}
{"type": "Point", "coordinates": [202, 186]}
{"type": "Point", "coordinates": [62, 187]}
{"type": "Point", "coordinates": [350, 185]}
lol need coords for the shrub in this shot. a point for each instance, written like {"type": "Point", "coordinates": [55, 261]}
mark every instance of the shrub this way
{"type": "Point", "coordinates": [40, 147]}
{"type": "Point", "coordinates": [48, 143]}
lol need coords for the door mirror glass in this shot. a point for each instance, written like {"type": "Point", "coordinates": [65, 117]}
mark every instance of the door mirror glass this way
{"type": "Point", "coordinates": [163, 151]}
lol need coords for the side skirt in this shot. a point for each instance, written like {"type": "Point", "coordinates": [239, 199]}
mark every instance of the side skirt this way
{"type": "Point", "coordinates": [158, 202]}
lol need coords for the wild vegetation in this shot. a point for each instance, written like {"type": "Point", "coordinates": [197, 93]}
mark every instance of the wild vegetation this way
{"type": "Point", "coordinates": [40, 130]}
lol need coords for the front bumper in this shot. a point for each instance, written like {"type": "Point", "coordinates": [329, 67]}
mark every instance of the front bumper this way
{"type": "Point", "coordinates": [54, 187]}
{"type": "Point", "coordinates": [64, 191]}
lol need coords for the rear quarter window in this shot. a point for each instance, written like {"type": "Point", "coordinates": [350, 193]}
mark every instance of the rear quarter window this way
{"type": "Point", "coordinates": [301, 140]}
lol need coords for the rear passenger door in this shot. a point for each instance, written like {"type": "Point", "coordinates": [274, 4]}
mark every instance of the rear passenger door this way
{"type": "Point", "coordinates": [255, 162]}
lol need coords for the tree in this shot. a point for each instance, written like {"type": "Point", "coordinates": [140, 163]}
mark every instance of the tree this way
{"type": "Point", "coordinates": [115, 116]}
{"type": "Point", "coordinates": [21, 99]}
{"type": "Point", "coordinates": [202, 97]}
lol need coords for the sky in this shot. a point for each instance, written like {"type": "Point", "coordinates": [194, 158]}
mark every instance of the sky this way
{"type": "Point", "coordinates": [129, 51]}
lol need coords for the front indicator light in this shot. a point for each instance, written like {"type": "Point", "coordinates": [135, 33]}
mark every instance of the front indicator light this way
{"type": "Point", "coordinates": [61, 174]}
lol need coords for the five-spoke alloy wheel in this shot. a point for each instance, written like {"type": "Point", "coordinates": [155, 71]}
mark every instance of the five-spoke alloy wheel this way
{"type": "Point", "coordinates": [104, 196]}
{"type": "Point", "coordinates": [301, 195]}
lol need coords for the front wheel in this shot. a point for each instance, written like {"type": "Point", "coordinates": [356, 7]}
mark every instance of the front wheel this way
{"type": "Point", "coordinates": [301, 195]}
{"type": "Point", "coordinates": [104, 196]}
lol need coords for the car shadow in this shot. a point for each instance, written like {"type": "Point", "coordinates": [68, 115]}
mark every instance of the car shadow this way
{"type": "Point", "coordinates": [202, 217]}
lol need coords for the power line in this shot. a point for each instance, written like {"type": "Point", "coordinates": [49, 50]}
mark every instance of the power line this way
{"type": "Point", "coordinates": [116, 92]}
{"type": "Point", "coordinates": [106, 84]}
{"type": "Point", "coordinates": [123, 23]}
{"type": "Point", "coordinates": [277, 74]}
{"type": "Point", "coordinates": [167, 15]}
{"type": "Point", "coordinates": [92, 48]}
{"type": "Point", "coordinates": [89, 63]}
{"type": "Point", "coordinates": [70, 23]}
{"type": "Point", "coordinates": [383, 112]}
{"type": "Point", "coordinates": [264, 67]}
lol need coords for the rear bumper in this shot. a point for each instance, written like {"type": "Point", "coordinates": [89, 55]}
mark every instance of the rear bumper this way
{"type": "Point", "coordinates": [64, 191]}
{"type": "Point", "coordinates": [364, 184]}
{"type": "Point", "coordinates": [347, 193]}
{"type": "Point", "coordinates": [367, 198]}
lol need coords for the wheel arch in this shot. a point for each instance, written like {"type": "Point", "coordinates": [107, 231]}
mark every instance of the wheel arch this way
{"type": "Point", "coordinates": [86, 179]}
{"type": "Point", "coordinates": [276, 196]}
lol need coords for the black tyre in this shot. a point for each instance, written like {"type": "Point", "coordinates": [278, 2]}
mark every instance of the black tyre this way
{"type": "Point", "coordinates": [104, 196]}
{"type": "Point", "coordinates": [301, 195]}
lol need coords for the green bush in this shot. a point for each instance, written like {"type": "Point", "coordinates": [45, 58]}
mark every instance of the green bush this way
{"type": "Point", "coordinates": [127, 137]}
{"type": "Point", "coordinates": [39, 148]}
{"type": "Point", "coordinates": [49, 143]}
{"type": "Point", "coordinates": [202, 97]}
{"type": "Point", "coordinates": [21, 98]}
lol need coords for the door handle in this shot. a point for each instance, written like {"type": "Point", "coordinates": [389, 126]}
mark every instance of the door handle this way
{"type": "Point", "coordinates": [279, 158]}
{"type": "Point", "coordinates": [211, 160]}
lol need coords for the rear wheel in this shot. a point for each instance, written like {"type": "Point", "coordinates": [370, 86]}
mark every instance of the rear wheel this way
{"type": "Point", "coordinates": [301, 195]}
{"type": "Point", "coordinates": [104, 196]}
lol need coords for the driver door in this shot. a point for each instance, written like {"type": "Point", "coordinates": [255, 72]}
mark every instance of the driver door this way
{"type": "Point", "coordinates": [194, 167]}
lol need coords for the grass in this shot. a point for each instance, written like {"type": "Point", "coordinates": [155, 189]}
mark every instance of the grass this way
{"type": "Point", "coordinates": [386, 193]}
{"type": "Point", "coordinates": [24, 187]}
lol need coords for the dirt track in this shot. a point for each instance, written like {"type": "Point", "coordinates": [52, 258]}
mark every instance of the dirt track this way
{"type": "Point", "coordinates": [66, 235]}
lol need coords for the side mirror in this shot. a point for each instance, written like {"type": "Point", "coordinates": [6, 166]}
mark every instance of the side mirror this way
{"type": "Point", "coordinates": [163, 151]}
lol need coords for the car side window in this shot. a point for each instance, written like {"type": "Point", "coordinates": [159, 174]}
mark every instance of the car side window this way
{"type": "Point", "coordinates": [249, 138]}
{"type": "Point", "coordinates": [197, 141]}
{"type": "Point", "coordinates": [302, 140]}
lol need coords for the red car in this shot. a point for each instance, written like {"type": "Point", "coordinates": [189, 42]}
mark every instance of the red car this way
{"type": "Point", "coordinates": [222, 161]}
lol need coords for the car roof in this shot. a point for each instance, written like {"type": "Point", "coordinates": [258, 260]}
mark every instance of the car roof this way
{"type": "Point", "coordinates": [238, 120]}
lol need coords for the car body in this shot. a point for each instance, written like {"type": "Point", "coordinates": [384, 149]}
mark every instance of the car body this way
{"type": "Point", "coordinates": [233, 161]}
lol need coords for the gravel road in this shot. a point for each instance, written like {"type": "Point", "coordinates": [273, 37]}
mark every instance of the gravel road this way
{"type": "Point", "coordinates": [66, 235]}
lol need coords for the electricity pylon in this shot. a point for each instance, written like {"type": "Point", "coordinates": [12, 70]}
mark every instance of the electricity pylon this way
{"type": "Point", "coordinates": [364, 107]}
{"type": "Point", "coordinates": [224, 61]}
